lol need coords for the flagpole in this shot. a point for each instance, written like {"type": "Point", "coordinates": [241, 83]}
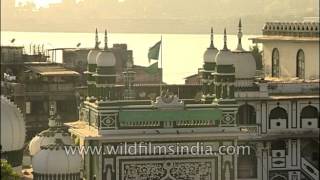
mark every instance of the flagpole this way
{"type": "Point", "coordinates": [161, 68]}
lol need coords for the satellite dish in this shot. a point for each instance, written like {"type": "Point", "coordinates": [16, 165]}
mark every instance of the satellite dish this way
{"type": "Point", "coordinates": [79, 44]}
{"type": "Point", "coordinates": [13, 40]}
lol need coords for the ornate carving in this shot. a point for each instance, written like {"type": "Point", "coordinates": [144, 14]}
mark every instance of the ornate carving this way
{"type": "Point", "coordinates": [168, 170]}
{"type": "Point", "coordinates": [108, 120]}
{"type": "Point", "coordinates": [228, 119]}
{"type": "Point", "coordinates": [168, 100]}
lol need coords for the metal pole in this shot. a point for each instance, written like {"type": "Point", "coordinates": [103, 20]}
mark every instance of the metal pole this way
{"type": "Point", "coordinates": [161, 68]}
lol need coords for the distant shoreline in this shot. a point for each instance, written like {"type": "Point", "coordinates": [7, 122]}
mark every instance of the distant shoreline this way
{"type": "Point", "coordinates": [118, 32]}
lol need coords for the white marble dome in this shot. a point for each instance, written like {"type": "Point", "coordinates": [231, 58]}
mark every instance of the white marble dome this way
{"type": "Point", "coordinates": [92, 56]}
{"type": "Point", "coordinates": [225, 57]}
{"type": "Point", "coordinates": [47, 137]}
{"type": "Point", "coordinates": [13, 129]}
{"type": "Point", "coordinates": [245, 64]}
{"type": "Point", "coordinates": [53, 159]}
{"type": "Point", "coordinates": [106, 58]}
{"type": "Point", "coordinates": [210, 55]}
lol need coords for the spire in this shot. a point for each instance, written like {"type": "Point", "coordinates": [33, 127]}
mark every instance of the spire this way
{"type": "Point", "coordinates": [239, 47]}
{"type": "Point", "coordinates": [96, 40]}
{"type": "Point", "coordinates": [225, 47]}
{"type": "Point", "coordinates": [105, 40]}
{"type": "Point", "coordinates": [211, 38]}
{"type": "Point", "coordinates": [52, 113]}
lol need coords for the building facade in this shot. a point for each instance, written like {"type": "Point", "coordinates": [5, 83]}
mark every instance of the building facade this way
{"type": "Point", "coordinates": [275, 116]}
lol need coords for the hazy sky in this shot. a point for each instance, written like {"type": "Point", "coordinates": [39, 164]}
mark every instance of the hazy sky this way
{"type": "Point", "coordinates": [150, 16]}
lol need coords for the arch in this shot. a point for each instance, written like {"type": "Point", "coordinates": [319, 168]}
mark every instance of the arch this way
{"type": "Point", "coordinates": [278, 118]}
{"type": "Point", "coordinates": [279, 177]}
{"type": "Point", "coordinates": [247, 165]}
{"type": "Point", "coordinates": [275, 63]}
{"type": "Point", "coordinates": [309, 112]}
{"type": "Point", "coordinates": [246, 114]}
{"type": "Point", "coordinates": [300, 64]}
{"type": "Point", "coordinates": [278, 113]}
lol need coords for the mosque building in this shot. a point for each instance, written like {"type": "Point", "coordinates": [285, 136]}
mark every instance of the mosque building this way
{"type": "Point", "coordinates": [270, 122]}
{"type": "Point", "coordinates": [276, 115]}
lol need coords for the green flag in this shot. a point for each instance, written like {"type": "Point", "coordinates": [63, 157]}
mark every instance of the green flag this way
{"type": "Point", "coordinates": [152, 69]}
{"type": "Point", "coordinates": [154, 51]}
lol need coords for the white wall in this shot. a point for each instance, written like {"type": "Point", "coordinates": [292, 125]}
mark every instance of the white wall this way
{"type": "Point", "coordinates": [288, 52]}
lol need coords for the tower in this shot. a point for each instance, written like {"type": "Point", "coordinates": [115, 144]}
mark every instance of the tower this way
{"type": "Point", "coordinates": [207, 70]}
{"type": "Point", "coordinates": [91, 67]}
{"type": "Point", "coordinates": [105, 76]}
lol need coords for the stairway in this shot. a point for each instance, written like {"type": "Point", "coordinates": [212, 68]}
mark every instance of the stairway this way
{"type": "Point", "coordinates": [308, 169]}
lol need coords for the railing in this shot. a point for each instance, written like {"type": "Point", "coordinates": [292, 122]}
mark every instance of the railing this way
{"type": "Point", "coordinates": [49, 87]}
{"type": "Point", "coordinates": [309, 169]}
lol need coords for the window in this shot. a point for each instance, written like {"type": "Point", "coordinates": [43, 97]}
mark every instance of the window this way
{"type": "Point", "coordinates": [309, 112]}
{"type": "Point", "coordinates": [246, 114]}
{"type": "Point", "coordinates": [247, 165]}
{"type": "Point", "coordinates": [275, 63]}
{"type": "Point", "coordinates": [300, 64]}
{"type": "Point", "coordinates": [278, 113]}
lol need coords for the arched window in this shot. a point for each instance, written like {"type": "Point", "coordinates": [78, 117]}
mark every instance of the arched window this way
{"type": "Point", "coordinates": [246, 114]}
{"type": "Point", "coordinates": [278, 113]}
{"type": "Point", "coordinates": [300, 64]}
{"type": "Point", "coordinates": [278, 118]}
{"type": "Point", "coordinates": [309, 117]}
{"type": "Point", "coordinates": [309, 112]}
{"type": "Point", "coordinates": [247, 165]}
{"type": "Point", "coordinates": [275, 63]}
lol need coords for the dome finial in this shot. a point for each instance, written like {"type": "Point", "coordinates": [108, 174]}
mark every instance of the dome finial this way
{"type": "Point", "coordinates": [211, 38]}
{"type": "Point", "coordinates": [52, 113]}
{"type": "Point", "coordinates": [225, 47]}
{"type": "Point", "coordinates": [239, 47]}
{"type": "Point", "coordinates": [105, 40]}
{"type": "Point", "coordinates": [96, 40]}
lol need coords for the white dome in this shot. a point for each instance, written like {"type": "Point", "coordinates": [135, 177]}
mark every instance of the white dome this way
{"type": "Point", "coordinates": [47, 137]}
{"type": "Point", "coordinates": [225, 57]}
{"type": "Point", "coordinates": [245, 65]}
{"type": "Point", "coordinates": [13, 129]}
{"type": "Point", "coordinates": [53, 159]}
{"type": "Point", "coordinates": [210, 55]}
{"type": "Point", "coordinates": [92, 56]}
{"type": "Point", "coordinates": [106, 58]}
{"type": "Point", "coordinates": [243, 62]}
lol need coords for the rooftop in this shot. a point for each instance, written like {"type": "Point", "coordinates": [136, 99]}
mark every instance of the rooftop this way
{"type": "Point", "coordinates": [51, 70]}
{"type": "Point", "coordinates": [289, 31]}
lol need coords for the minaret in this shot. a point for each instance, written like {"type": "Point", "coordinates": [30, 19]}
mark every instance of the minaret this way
{"type": "Point", "coordinates": [96, 40]}
{"type": "Point", "coordinates": [105, 40]}
{"type": "Point", "coordinates": [211, 39]}
{"type": "Point", "coordinates": [225, 47]}
{"type": "Point", "coordinates": [52, 121]}
{"type": "Point", "coordinates": [239, 47]}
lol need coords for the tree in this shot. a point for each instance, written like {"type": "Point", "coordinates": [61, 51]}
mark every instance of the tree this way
{"type": "Point", "coordinates": [257, 54]}
{"type": "Point", "coordinates": [7, 172]}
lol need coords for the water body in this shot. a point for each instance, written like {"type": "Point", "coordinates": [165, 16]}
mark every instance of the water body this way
{"type": "Point", "coordinates": [182, 53]}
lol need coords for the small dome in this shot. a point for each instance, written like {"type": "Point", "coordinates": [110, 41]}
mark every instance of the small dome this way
{"type": "Point", "coordinates": [47, 137]}
{"type": "Point", "coordinates": [245, 65]}
{"type": "Point", "coordinates": [53, 159]}
{"type": "Point", "coordinates": [106, 58]}
{"type": "Point", "coordinates": [210, 54]}
{"type": "Point", "coordinates": [92, 56]}
{"type": "Point", "coordinates": [13, 130]}
{"type": "Point", "coordinates": [225, 57]}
